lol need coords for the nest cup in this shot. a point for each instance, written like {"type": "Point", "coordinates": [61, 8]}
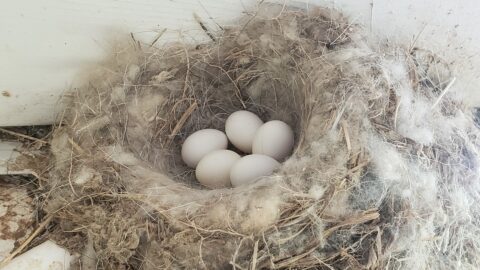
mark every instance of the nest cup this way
{"type": "Point", "coordinates": [141, 104]}
{"type": "Point", "coordinates": [216, 81]}
{"type": "Point", "coordinates": [351, 196]}
{"type": "Point", "coordinates": [227, 84]}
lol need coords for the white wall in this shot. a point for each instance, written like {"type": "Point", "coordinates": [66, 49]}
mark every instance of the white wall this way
{"type": "Point", "coordinates": [44, 43]}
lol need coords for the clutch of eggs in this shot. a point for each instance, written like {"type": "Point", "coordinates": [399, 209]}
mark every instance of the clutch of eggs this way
{"type": "Point", "coordinates": [266, 145]}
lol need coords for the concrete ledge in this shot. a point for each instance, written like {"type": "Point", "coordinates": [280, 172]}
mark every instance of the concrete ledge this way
{"type": "Point", "coordinates": [8, 155]}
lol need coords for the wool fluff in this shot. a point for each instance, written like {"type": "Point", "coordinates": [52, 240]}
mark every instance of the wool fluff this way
{"type": "Point", "coordinates": [384, 175]}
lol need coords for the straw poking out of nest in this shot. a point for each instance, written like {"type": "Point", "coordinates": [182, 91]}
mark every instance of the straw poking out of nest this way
{"type": "Point", "coordinates": [384, 174]}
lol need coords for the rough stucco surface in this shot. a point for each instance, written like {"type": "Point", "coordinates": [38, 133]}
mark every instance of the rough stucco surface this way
{"type": "Point", "coordinates": [16, 217]}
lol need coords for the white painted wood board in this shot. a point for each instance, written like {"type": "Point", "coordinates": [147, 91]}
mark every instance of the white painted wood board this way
{"type": "Point", "coordinates": [46, 42]}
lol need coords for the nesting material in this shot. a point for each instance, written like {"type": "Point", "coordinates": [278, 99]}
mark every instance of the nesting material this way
{"type": "Point", "coordinates": [384, 174]}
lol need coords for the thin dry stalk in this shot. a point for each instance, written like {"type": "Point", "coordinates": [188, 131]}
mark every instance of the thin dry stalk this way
{"type": "Point", "coordinates": [23, 136]}
{"type": "Point", "coordinates": [18, 250]}
{"type": "Point", "coordinates": [360, 219]}
{"type": "Point", "coordinates": [183, 119]}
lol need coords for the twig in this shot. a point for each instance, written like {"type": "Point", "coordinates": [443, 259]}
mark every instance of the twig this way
{"type": "Point", "coordinates": [347, 136]}
{"type": "Point", "coordinates": [25, 244]}
{"type": "Point", "coordinates": [337, 118]}
{"type": "Point", "coordinates": [254, 256]}
{"type": "Point", "coordinates": [13, 133]}
{"type": "Point", "coordinates": [416, 38]}
{"type": "Point", "coordinates": [363, 218]}
{"type": "Point", "coordinates": [396, 114]}
{"type": "Point", "coordinates": [324, 263]}
{"type": "Point", "coordinates": [235, 254]}
{"type": "Point", "coordinates": [76, 146]}
{"type": "Point", "coordinates": [358, 167]}
{"type": "Point", "coordinates": [183, 119]}
{"type": "Point", "coordinates": [135, 41]}
{"type": "Point", "coordinates": [450, 84]}
{"type": "Point", "coordinates": [281, 11]}
{"type": "Point", "coordinates": [70, 173]}
{"type": "Point", "coordinates": [204, 27]}
{"type": "Point", "coordinates": [379, 241]}
{"type": "Point", "coordinates": [210, 16]}
{"type": "Point", "coordinates": [293, 259]}
{"type": "Point", "coordinates": [200, 253]}
{"type": "Point", "coordinates": [187, 74]}
{"type": "Point", "coordinates": [159, 35]}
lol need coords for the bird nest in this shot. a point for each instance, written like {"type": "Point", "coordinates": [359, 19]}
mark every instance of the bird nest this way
{"type": "Point", "coordinates": [384, 175]}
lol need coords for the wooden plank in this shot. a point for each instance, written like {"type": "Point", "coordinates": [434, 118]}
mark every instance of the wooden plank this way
{"type": "Point", "coordinates": [45, 43]}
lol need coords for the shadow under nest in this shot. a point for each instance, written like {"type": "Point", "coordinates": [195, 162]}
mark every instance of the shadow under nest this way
{"type": "Point", "coordinates": [350, 197]}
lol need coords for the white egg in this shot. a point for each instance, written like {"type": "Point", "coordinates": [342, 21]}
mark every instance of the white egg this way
{"type": "Point", "coordinates": [250, 168]}
{"type": "Point", "coordinates": [213, 170]}
{"type": "Point", "coordinates": [200, 143]}
{"type": "Point", "coordinates": [241, 127]}
{"type": "Point", "coordinates": [274, 139]}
